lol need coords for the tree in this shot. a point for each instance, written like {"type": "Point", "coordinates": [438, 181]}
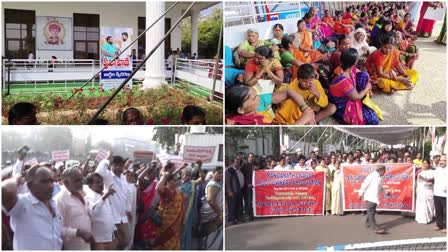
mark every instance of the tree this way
{"type": "Point", "coordinates": [209, 29]}
{"type": "Point", "coordinates": [166, 136]}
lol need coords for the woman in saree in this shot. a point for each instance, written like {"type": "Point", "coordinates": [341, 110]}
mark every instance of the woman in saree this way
{"type": "Point", "coordinates": [328, 179]}
{"type": "Point", "coordinates": [339, 26]}
{"type": "Point", "coordinates": [317, 24]}
{"type": "Point", "coordinates": [245, 107]}
{"type": "Point", "coordinates": [279, 32]}
{"type": "Point", "coordinates": [290, 63]}
{"type": "Point", "coordinates": [263, 66]}
{"type": "Point", "coordinates": [172, 209]}
{"type": "Point", "coordinates": [147, 198]}
{"type": "Point", "coordinates": [425, 26]}
{"type": "Point", "coordinates": [188, 187]}
{"type": "Point", "coordinates": [424, 207]}
{"type": "Point", "coordinates": [246, 50]}
{"type": "Point", "coordinates": [405, 26]}
{"type": "Point", "coordinates": [385, 68]}
{"type": "Point", "coordinates": [307, 53]}
{"type": "Point", "coordinates": [328, 19]}
{"type": "Point", "coordinates": [359, 43]}
{"type": "Point", "coordinates": [336, 190]}
{"type": "Point", "coordinates": [344, 42]}
{"type": "Point", "coordinates": [212, 212]}
{"type": "Point", "coordinates": [408, 51]}
{"type": "Point", "coordinates": [347, 90]}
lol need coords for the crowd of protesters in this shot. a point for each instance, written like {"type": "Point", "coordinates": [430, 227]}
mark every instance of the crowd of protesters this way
{"type": "Point", "coordinates": [431, 180]}
{"type": "Point", "coordinates": [111, 203]}
{"type": "Point", "coordinates": [328, 66]}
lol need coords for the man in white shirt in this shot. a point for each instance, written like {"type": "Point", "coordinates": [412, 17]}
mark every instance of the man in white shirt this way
{"type": "Point", "coordinates": [440, 192]}
{"type": "Point", "coordinates": [111, 170]}
{"type": "Point", "coordinates": [35, 219]}
{"type": "Point", "coordinates": [301, 166]}
{"type": "Point", "coordinates": [74, 210]}
{"type": "Point", "coordinates": [125, 43]}
{"type": "Point", "coordinates": [282, 166]}
{"type": "Point", "coordinates": [101, 212]}
{"type": "Point", "coordinates": [371, 188]}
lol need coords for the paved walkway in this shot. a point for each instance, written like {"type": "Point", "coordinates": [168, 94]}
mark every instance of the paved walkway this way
{"type": "Point", "coordinates": [309, 232]}
{"type": "Point", "coordinates": [426, 103]}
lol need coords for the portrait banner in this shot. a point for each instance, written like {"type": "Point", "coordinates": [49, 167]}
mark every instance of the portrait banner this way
{"type": "Point", "coordinates": [54, 33]}
{"type": "Point", "coordinates": [113, 41]}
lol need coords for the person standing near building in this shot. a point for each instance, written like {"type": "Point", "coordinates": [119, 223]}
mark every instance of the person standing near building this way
{"type": "Point", "coordinates": [370, 189]}
{"type": "Point", "coordinates": [440, 192]}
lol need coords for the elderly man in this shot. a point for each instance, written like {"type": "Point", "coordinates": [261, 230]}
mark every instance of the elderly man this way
{"type": "Point", "coordinates": [440, 192]}
{"type": "Point", "coordinates": [35, 219]}
{"type": "Point", "coordinates": [111, 170]}
{"type": "Point", "coordinates": [74, 210]}
{"type": "Point", "coordinates": [370, 188]}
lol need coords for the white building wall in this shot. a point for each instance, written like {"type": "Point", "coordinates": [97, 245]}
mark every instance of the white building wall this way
{"type": "Point", "coordinates": [118, 14]}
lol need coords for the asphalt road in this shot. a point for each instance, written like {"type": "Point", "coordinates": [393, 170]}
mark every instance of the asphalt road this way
{"type": "Point", "coordinates": [309, 232]}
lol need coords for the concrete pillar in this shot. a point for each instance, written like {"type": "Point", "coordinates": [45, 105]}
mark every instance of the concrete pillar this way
{"type": "Point", "coordinates": [155, 66]}
{"type": "Point", "coordinates": [194, 31]}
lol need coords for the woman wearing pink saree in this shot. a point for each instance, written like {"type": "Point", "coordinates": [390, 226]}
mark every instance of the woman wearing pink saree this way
{"type": "Point", "coordinates": [317, 24]}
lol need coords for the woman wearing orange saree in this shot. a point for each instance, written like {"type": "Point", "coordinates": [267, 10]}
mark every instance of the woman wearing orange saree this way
{"type": "Point", "coordinates": [384, 66]}
{"type": "Point", "coordinates": [306, 52]}
{"type": "Point", "coordinates": [171, 207]}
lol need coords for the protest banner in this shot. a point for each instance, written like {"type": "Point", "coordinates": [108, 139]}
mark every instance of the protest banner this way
{"type": "Point", "coordinates": [283, 193]}
{"type": "Point", "coordinates": [60, 155]}
{"type": "Point", "coordinates": [195, 153]}
{"type": "Point", "coordinates": [398, 180]}
{"type": "Point", "coordinates": [102, 154]}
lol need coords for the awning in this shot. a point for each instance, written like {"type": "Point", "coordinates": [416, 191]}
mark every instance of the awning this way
{"type": "Point", "coordinates": [385, 135]}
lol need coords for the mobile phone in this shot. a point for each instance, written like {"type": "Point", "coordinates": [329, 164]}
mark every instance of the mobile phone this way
{"type": "Point", "coordinates": [22, 151]}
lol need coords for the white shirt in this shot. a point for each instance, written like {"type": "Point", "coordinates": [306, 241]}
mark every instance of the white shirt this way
{"type": "Point", "coordinates": [283, 168]}
{"type": "Point", "coordinates": [18, 166]}
{"type": "Point", "coordinates": [75, 215]}
{"type": "Point", "coordinates": [371, 187]}
{"type": "Point", "coordinates": [302, 168]}
{"type": "Point", "coordinates": [101, 216]}
{"type": "Point", "coordinates": [440, 182]}
{"type": "Point", "coordinates": [33, 225]}
{"type": "Point", "coordinates": [240, 177]}
{"type": "Point", "coordinates": [127, 53]}
{"type": "Point", "coordinates": [120, 198]}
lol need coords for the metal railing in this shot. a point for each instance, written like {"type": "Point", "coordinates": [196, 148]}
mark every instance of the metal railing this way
{"type": "Point", "coordinates": [241, 13]}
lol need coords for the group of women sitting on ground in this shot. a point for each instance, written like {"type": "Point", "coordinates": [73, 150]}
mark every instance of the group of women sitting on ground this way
{"type": "Point", "coordinates": [326, 68]}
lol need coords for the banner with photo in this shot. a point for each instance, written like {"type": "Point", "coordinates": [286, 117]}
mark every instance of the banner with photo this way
{"type": "Point", "coordinates": [54, 33]}
{"type": "Point", "coordinates": [113, 41]}
{"type": "Point", "coordinates": [398, 180]}
{"type": "Point", "coordinates": [284, 193]}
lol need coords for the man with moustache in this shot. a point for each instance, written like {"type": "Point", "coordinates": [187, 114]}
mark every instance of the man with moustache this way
{"type": "Point", "coordinates": [35, 219]}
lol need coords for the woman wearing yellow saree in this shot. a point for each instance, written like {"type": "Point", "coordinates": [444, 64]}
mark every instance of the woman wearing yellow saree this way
{"type": "Point", "coordinates": [172, 208]}
{"type": "Point", "coordinates": [306, 52]}
{"type": "Point", "coordinates": [385, 68]}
